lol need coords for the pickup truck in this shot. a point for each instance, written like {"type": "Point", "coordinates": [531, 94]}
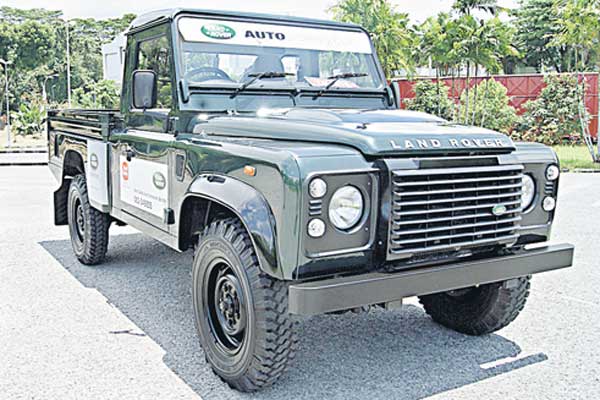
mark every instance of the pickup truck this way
{"type": "Point", "coordinates": [275, 149]}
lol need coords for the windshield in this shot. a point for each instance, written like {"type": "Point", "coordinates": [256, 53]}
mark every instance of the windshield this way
{"type": "Point", "coordinates": [228, 53]}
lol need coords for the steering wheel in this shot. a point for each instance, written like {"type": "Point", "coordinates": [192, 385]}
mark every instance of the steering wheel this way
{"type": "Point", "coordinates": [208, 72]}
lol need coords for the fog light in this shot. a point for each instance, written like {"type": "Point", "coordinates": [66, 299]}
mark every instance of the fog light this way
{"type": "Point", "coordinates": [316, 228]}
{"type": "Point", "coordinates": [552, 173]}
{"type": "Point", "coordinates": [549, 204]}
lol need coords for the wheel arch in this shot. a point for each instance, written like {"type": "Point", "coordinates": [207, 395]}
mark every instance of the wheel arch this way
{"type": "Point", "coordinates": [214, 196]}
{"type": "Point", "coordinates": [72, 166]}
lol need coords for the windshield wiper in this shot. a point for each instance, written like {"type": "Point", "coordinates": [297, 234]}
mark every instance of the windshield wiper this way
{"type": "Point", "coordinates": [336, 78]}
{"type": "Point", "coordinates": [258, 76]}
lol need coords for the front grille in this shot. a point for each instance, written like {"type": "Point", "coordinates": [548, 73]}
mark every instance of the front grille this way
{"type": "Point", "coordinates": [450, 209]}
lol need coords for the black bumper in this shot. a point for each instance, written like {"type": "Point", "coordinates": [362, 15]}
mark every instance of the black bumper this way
{"type": "Point", "coordinates": [374, 288]}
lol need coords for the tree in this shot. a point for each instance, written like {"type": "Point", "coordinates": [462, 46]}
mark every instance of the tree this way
{"type": "Point", "coordinates": [35, 41]}
{"type": "Point", "coordinates": [466, 7]}
{"type": "Point", "coordinates": [393, 38]}
{"type": "Point", "coordinates": [578, 25]}
{"type": "Point", "coordinates": [537, 25]}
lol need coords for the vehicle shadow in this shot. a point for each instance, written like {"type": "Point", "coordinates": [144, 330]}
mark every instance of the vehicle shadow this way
{"type": "Point", "coordinates": [381, 354]}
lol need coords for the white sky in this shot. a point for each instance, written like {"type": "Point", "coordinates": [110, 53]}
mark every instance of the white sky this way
{"type": "Point", "coordinates": [418, 9]}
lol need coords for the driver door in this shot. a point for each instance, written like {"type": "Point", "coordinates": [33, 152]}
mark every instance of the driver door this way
{"type": "Point", "coordinates": [142, 152]}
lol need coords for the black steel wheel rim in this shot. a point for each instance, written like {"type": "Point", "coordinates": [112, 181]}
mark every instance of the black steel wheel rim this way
{"type": "Point", "coordinates": [225, 307]}
{"type": "Point", "coordinates": [79, 220]}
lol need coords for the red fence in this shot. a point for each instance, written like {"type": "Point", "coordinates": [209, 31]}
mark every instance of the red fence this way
{"type": "Point", "coordinates": [520, 89]}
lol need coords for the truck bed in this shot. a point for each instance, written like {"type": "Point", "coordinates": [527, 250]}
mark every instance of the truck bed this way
{"type": "Point", "coordinates": [89, 123]}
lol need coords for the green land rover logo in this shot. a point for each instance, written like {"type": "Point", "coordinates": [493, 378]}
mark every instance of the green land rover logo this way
{"type": "Point", "coordinates": [499, 209]}
{"type": "Point", "coordinates": [218, 31]}
{"type": "Point", "coordinates": [159, 181]}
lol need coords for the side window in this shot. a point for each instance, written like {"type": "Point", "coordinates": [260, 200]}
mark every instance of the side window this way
{"type": "Point", "coordinates": [155, 54]}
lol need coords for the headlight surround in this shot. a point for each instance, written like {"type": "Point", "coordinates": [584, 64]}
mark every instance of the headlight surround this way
{"type": "Point", "coordinates": [346, 207]}
{"type": "Point", "coordinates": [528, 192]}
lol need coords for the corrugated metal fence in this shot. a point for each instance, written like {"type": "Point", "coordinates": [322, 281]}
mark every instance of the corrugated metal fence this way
{"type": "Point", "coordinates": [520, 89]}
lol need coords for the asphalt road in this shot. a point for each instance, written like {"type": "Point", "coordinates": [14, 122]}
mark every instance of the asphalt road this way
{"type": "Point", "coordinates": [125, 329]}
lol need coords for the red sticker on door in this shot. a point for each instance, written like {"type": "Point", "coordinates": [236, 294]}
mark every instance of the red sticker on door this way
{"type": "Point", "coordinates": [125, 171]}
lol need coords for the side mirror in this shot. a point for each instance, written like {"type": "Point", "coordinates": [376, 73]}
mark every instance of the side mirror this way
{"type": "Point", "coordinates": [395, 89]}
{"type": "Point", "coordinates": [144, 89]}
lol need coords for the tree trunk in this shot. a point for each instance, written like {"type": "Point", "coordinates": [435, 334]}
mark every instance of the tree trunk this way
{"type": "Point", "coordinates": [475, 93]}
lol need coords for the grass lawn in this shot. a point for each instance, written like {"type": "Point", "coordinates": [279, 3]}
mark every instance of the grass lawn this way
{"type": "Point", "coordinates": [573, 157]}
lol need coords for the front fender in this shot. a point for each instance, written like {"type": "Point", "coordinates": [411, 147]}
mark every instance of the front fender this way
{"type": "Point", "coordinates": [251, 208]}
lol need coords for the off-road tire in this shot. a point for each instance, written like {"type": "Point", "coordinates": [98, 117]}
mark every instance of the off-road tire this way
{"type": "Point", "coordinates": [480, 310]}
{"type": "Point", "coordinates": [91, 241]}
{"type": "Point", "coordinates": [269, 339]}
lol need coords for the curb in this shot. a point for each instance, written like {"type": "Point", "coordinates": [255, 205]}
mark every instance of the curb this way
{"type": "Point", "coordinates": [586, 171]}
{"type": "Point", "coordinates": [23, 164]}
{"type": "Point", "coordinates": [21, 151]}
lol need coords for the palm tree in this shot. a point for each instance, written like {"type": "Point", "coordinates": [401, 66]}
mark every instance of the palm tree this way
{"type": "Point", "coordinates": [466, 7]}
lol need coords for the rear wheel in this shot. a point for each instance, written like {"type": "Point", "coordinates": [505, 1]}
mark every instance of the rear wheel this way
{"type": "Point", "coordinates": [241, 313]}
{"type": "Point", "coordinates": [479, 310]}
{"type": "Point", "coordinates": [88, 227]}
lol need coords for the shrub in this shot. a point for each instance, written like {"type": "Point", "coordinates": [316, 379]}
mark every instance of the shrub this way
{"type": "Point", "coordinates": [29, 119]}
{"type": "Point", "coordinates": [102, 94]}
{"type": "Point", "coordinates": [431, 98]}
{"type": "Point", "coordinates": [554, 117]}
{"type": "Point", "coordinates": [488, 107]}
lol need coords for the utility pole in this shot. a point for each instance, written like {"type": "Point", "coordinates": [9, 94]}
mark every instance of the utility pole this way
{"type": "Point", "coordinates": [6, 64]}
{"type": "Point", "coordinates": [68, 65]}
{"type": "Point", "coordinates": [44, 91]}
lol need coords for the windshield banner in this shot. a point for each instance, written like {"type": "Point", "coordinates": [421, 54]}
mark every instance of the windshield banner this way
{"type": "Point", "coordinates": [265, 35]}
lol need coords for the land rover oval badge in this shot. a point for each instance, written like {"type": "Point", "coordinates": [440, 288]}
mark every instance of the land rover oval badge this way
{"type": "Point", "coordinates": [499, 209]}
{"type": "Point", "coordinates": [94, 161]}
{"type": "Point", "coordinates": [159, 181]}
{"type": "Point", "coordinates": [218, 31]}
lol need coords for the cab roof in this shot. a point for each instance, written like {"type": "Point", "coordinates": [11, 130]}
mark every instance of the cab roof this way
{"type": "Point", "coordinates": [153, 17]}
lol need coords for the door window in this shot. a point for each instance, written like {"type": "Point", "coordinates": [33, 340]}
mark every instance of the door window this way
{"type": "Point", "coordinates": [154, 54]}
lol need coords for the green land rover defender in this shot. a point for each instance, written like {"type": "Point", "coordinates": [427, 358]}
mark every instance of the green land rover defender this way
{"type": "Point", "coordinates": [275, 149]}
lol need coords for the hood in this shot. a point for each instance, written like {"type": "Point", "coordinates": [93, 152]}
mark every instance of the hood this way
{"type": "Point", "coordinates": [372, 132]}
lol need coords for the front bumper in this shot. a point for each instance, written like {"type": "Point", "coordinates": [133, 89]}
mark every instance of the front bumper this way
{"type": "Point", "coordinates": [349, 292]}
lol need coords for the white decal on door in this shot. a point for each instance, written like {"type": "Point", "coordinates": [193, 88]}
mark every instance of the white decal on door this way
{"type": "Point", "coordinates": [144, 185]}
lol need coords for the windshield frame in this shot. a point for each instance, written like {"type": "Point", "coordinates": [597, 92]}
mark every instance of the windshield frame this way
{"type": "Point", "coordinates": [179, 43]}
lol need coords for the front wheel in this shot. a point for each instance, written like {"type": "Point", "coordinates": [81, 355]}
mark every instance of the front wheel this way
{"type": "Point", "coordinates": [240, 313]}
{"type": "Point", "coordinates": [478, 310]}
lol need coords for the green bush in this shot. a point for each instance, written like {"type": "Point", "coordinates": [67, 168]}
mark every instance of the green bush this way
{"type": "Point", "coordinates": [29, 119]}
{"type": "Point", "coordinates": [488, 107]}
{"type": "Point", "coordinates": [97, 95]}
{"type": "Point", "coordinates": [554, 117]}
{"type": "Point", "coordinates": [431, 98]}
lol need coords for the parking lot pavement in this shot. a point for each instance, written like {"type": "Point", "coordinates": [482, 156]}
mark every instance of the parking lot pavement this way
{"type": "Point", "coordinates": [125, 329]}
{"type": "Point", "coordinates": [23, 158]}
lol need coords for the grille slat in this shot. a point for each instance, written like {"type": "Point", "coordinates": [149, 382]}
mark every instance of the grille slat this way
{"type": "Point", "coordinates": [457, 199]}
{"type": "Point", "coordinates": [453, 227]}
{"type": "Point", "coordinates": [452, 209]}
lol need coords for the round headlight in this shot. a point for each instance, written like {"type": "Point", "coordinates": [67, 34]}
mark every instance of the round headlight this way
{"type": "Point", "coordinates": [552, 173]}
{"type": "Point", "coordinates": [317, 188]}
{"type": "Point", "coordinates": [528, 192]}
{"type": "Point", "coordinates": [346, 207]}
